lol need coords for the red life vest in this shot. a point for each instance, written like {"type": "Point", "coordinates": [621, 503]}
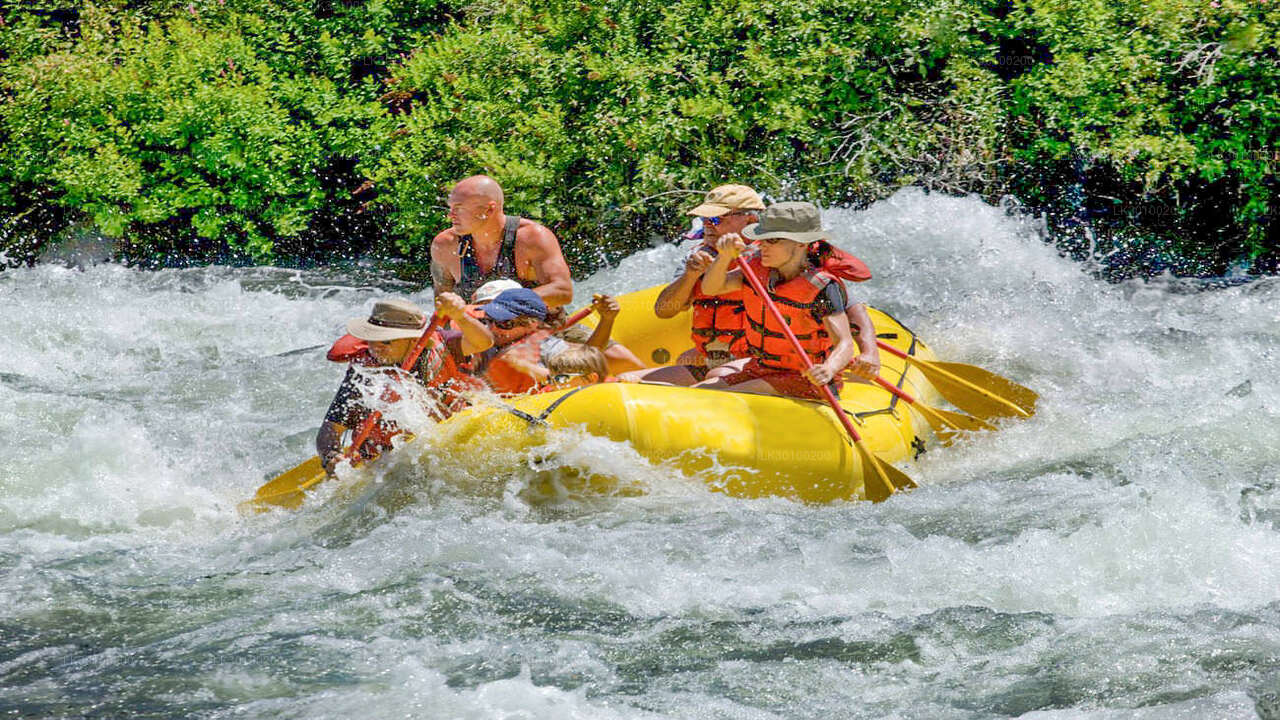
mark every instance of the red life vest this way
{"type": "Point", "coordinates": [795, 299]}
{"type": "Point", "coordinates": [834, 261]}
{"type": "Point", "coordinates": [379, 440]}
{"type": "Point", "coordinates": [350, 348]}
{"type": "Point", "coordinates": [438, 371]}
{"type": "Point", "coordinates": [717, 317]}
{"type": "Point", "coordinates": [503, 377]}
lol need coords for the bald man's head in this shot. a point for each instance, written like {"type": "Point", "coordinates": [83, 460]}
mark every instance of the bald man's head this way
{"type": "Point", "coordinates": [473, 201]}
{"type": "Point", "coordinates": [478, 186]}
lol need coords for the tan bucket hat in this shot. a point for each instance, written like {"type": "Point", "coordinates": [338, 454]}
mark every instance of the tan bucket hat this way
{"type": "Point", "coordinates": [389, 320]}
{"type": "Point", "coordinates": [795, 221]}
{"type": "Point", "coordinates": [727, 198]}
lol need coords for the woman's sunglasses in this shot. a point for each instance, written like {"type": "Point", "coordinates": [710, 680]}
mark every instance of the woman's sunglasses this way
{"type": "Point", "coordinates": [506, 324]}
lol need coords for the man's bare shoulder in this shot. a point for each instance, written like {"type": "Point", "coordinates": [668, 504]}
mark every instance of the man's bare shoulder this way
{"type": "Point", "coordinates": [533, 234]}
{"type": "Point", "coordinates": [444, 247]}
{"type": "Point", "coordinates": [446, 239]}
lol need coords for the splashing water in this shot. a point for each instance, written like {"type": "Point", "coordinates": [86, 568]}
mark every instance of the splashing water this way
{"type": "Point", "coordinates": [1114, 557]}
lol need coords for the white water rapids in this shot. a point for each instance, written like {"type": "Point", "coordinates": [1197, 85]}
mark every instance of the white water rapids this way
{"type": "Point", "coordinates": [1117, 556]}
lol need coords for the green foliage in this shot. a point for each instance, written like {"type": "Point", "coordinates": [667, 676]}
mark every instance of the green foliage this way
{"type": "Point", "coordinates": [1179, 99]}
{"type": "Point", "coordinates": [595, 116]}
{"type": "Point", "coordinates": [183, 134]}
{"type": "Point", "coordinates": [268, 128]}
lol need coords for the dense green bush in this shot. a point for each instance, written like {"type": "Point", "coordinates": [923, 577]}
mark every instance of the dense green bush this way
{"type": "Point", "coordinates": [598, 115]}
{"type": "Point", "coordinates": [291, 127]}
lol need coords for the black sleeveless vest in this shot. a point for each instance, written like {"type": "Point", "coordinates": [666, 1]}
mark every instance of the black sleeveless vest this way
{"type": "Point", "coordinates": [503, 267]}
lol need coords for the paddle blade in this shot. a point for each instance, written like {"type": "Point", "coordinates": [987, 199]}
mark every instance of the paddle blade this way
{"type": "Point", "coordinates": [287, 490]}
{"type": "Point", "coordinates": [1020, 395]}
{"type": "Point", "coordinates": [946, 423]}
{"type": "Point", "coordinates": [880, 479]}
{"type": "Point", "coordinates": [968, 396]}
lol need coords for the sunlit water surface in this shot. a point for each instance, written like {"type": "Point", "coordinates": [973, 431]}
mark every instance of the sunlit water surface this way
{"type": "Point", "coordinates": [1115, 557]}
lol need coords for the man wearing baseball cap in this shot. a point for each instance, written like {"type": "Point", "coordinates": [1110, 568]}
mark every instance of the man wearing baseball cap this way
{"type": "Point", "coordinates": [390, 331]}
{"type": "Point", "coordinates": [794, 264]}
{"type": "Point", "coordinates": [717, 321]}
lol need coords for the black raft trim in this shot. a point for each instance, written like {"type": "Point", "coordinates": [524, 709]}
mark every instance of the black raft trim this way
{"type": "Point", "coordinates": [541, 419]}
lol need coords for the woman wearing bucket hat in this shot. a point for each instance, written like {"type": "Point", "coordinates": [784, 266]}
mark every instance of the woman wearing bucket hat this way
{"type": "Point", "coordinates": [812, 299]}
{"type": "Point", "coordinates": [390, 332]}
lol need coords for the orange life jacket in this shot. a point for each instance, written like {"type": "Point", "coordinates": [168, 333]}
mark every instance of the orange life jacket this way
{"type": "Point", "coordinates": [445, 376]}
{"type": "Point", "coordinates": [437, 371]}
{"type": "Point", "coordinates": [795, 299]}
{"type": "Point", "coordinates": [503, 377]}
{"type": "Point", "coordinates": [717, 317]}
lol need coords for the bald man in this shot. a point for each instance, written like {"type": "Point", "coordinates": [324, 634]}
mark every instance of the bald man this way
{"type": "Point", "coordinates": [485, 244]}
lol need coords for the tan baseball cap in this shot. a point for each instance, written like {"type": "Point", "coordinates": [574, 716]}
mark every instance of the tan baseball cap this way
{"type": "Point", "coordinates": [727, 198]}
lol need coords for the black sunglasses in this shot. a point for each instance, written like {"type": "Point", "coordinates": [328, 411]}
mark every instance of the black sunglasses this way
{"type": "Point", "coordinates": [506, 324]}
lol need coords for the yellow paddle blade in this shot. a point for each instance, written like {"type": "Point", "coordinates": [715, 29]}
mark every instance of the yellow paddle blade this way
{"type": "Point", "coordinates": [287, 490]}
{"type": "Point", "coordinates": [945, 423]}
{"type": "Point", "coordinates": [1020, 395]}
{"type": "Point", "coordinates": [977, 398]}
{"type": "Point", "coordinates": [880, 479]}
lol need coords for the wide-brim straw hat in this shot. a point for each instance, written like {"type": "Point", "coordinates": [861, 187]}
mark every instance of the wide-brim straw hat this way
{"type": "Point", "coordinates": [389, 320]}
{"type": "Point", "coordinates": [795, 221]}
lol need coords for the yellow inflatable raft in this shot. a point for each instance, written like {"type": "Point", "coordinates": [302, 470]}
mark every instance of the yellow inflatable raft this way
{"type": "Point", "coordinates": [744, 445]}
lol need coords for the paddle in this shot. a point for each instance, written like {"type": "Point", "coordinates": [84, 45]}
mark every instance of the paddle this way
{"type": "Point", "coordinates": [880, 478]}
{"type": "Point", "coordinates": [943, 422]}
{"type": "Point", "coordinates": [974, 390]}
{"type": "Point", "coordinates": [575, 318]}
{"type": "Point", "coordinates": [288, 489]}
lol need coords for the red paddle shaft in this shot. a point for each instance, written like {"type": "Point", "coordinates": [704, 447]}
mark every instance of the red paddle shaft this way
{"type": "Point", "coordinates": [895, 390]}
{"type": "Point", "coordinates": [575, 318]}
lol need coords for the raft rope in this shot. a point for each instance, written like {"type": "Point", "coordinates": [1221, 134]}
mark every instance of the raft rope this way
{"type": "Point", "coordinates": [541, 419]}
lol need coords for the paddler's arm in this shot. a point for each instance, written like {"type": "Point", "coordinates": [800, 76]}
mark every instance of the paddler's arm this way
{"type": "Point", "coordinates": [537, 371]}
{"type": "Point", "coordinates": [476, 336]}
{"type": "Point", "coordinates": [555, 284]}
{"type": "Point", "coordinates": [719, 279]}
{"type": "Point", "coordinates": [337, 419]}
{"type": "Point", "coordinates": [607, 307]}
{"type": "Point", "coordinates": [675, 296]}
{"type": "Point", "coordinates": [837, 326]}
{"type": "Point", "coordinates": [445, 264]}
{"type": "Point", "coordinates": [329, 444]}
{"type": "Point", "coordinates": [866, 364]}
